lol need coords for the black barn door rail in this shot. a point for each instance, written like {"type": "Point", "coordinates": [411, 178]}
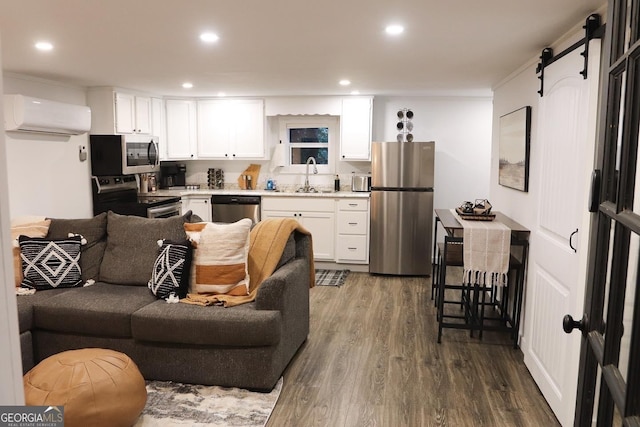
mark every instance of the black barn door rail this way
{"type": "Point", "coordinates": [593, 29]}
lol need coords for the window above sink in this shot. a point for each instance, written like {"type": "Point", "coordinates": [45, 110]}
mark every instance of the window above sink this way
{"type": "Point", "coordinates": [306, 137]}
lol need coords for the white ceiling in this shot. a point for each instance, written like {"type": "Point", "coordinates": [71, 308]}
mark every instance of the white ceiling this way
{"type": "Point", "coordinates": [283, 47]}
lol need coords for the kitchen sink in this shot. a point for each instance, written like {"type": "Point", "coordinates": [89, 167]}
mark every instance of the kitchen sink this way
{"type": "Point", "coordinates": [312, 190]}
{"type": "Point", "coordinates": [306, 190]}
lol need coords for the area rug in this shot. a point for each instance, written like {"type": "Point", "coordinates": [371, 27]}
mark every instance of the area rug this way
{"type": "Point", "coordinates": [331, 277]}
{"type": "Point", "coordinates": [176, 404]}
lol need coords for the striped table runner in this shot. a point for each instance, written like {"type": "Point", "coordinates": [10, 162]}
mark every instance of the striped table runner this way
{"type": "Point", "coordinates": [487, 247]}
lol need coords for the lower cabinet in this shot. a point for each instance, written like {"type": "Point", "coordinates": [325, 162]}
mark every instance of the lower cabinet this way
{"type": "Point", "coordinates": [340, 227]}
{"type": "Point", "coordinates": [199, 205]}
{"type": "Point", "coordinates": [316, 215]}
{"type": "Point", "coordinates": [352, 241]}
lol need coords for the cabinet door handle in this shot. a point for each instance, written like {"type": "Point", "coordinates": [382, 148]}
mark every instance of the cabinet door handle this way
{"type": "Point", "coordinates": [353, 223]}
{"type": "Point", "coordinates": [352, 249]}
{"type": "Point", "coordinates": [353, 204]}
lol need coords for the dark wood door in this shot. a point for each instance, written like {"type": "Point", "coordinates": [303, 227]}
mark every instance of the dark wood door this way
{"type": "Point", "coordinates": [609, 379]}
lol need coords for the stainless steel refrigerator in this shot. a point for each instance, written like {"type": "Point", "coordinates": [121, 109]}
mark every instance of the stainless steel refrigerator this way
{"type": "Point", "coordinates": [401, 208]}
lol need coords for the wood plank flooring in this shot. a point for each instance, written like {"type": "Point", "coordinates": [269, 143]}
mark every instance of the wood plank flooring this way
{"type": "Point", "coordinates": [371, 359]}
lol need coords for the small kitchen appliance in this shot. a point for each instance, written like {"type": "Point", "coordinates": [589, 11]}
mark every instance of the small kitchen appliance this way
{"type": "Point", "coordinates": [174, 175]}
{"type": "Point", "coordinates": [360, 182]}
{"type": "Point", "coordinates": [123, 154]}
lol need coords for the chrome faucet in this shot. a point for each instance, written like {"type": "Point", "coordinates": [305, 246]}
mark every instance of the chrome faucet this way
{"type": "Point", "coordinates": [315, 171]}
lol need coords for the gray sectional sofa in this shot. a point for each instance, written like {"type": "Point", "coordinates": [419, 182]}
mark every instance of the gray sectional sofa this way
{"type": "Point", "coordinates": [246, 346]}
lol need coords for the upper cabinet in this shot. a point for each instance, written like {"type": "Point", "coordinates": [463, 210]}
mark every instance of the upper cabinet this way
{"type": "Point", "coordinates": [133, 113]}
{"type": "Point", "coordinates": [230, 128]}
{"type": "Point", "coordinates": [355, 128]}
{"type": "Point", "coordinates": [120, 112]}
{"type": "Point", "coordinates": [158, 125]}
{"type": "Point", "coordinates": [181, 129]}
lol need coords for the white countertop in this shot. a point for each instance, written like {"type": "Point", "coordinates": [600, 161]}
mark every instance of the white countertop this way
{"type": "Point", "coordinates": [263, 193]}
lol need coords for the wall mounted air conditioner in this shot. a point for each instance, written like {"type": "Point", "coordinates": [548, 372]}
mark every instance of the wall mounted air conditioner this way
{"type": "Point", "coordinates": [27, 114]}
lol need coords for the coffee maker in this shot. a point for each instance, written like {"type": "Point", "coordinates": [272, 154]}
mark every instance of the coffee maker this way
{"type": "Point", "coordinates": [173, 174]}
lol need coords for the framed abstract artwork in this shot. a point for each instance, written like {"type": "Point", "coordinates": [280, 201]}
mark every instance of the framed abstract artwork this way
{"type": "Point", "coordinates": [515, 138]}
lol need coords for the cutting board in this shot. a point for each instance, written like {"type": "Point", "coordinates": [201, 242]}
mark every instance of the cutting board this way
{"type": "Point", "coordinates": [254, 172]}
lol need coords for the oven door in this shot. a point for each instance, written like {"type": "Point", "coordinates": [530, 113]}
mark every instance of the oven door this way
{"type": "Point", "coordinates": [140, 154]}
{"type": "Point", "coordinates": [165, 211]}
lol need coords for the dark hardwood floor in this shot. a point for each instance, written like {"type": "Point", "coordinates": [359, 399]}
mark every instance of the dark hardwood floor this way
{"type": "Point", "coordinates": [371, 359]}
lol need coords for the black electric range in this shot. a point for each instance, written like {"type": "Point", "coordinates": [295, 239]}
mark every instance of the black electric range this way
{"type": "Point", "coordinates": [120, 195]}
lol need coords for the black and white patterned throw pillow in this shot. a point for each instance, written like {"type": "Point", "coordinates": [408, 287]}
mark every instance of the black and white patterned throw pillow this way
{"type": "Point", "coordinates": [50, 264]}
{"type": "Point", "coordinates": [171, 269]}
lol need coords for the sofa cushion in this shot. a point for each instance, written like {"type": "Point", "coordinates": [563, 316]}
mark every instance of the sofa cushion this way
{"type": "Point", "coordinates": [29, 227]}
{"type": "Point", "coordinates": [171, 270]}
{"type": "Point", "coordinates": [94, 230]}
{"type": "Point", "coordinates": [220, 257]}
{"type": "Point", "coordinates": [50, 264]}
{"type": "Point", "coordinates": [25, 305]}
{"type": "Point", "coordinates": [99, 310]}
{"type": "Point", "coordinates": [132, 246]}
{"type": "Point", "coordinates": [240, 326]}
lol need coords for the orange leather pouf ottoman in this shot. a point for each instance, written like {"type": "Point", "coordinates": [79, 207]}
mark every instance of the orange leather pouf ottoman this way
{"type": "Point", "coordinates": [97, 387]}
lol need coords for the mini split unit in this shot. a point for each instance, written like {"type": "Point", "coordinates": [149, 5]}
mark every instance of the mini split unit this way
{"type": "Point", "coordinates": [27, 114]}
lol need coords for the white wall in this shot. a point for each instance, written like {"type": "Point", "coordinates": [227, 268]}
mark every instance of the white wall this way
{"type": "Point", "coordinates": [46, 176]}
{"type": "Point", "coordinates": [11, 390]}
{"type": "Point", "coordinates": [517, 92]}
{"type": "Point", "coordinates": [461, 128]}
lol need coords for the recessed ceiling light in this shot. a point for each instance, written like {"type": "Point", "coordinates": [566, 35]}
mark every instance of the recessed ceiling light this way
{"type": "Point", "coordinates": [222, 94]}
{"type": "Point", "coordinates": [187, 85]}
{"type": "Point", "coordinates": [355, 92]}
{"type": "Point", "coordinates": [209, 37]}
{"type": "Point", "coordinates": [394, 30]}
{"type": "Point", "coordinates": [344, 82]}
{"type": "Point", "coordinates": [44, 46]}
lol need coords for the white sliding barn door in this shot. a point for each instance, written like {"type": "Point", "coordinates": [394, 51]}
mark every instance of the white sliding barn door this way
{"type": "Point", "coordinates": [556, 274]}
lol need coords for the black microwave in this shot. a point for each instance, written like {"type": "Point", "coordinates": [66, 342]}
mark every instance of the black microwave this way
{"type": "Point", "coordinates": [123, 154]}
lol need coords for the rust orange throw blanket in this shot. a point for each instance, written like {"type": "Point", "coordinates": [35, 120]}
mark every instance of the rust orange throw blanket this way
{"type": "Point", "coordinates": [266, 245]}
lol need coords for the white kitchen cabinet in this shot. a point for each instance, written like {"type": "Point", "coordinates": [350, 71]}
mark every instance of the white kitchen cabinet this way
{"type": "Point", "coordinates": [355, 128]}
{"type": "Point", "coordinates": [121, 112]}
{"type": "Point", "coordinates": [316, 215]}
{"type": "Point", "coordinates": [198, 205]}
{"type": "Point", "coordinates": [133, 113]}
{"type": "Point", "coordinates": [352, 240]}
{"type": "Point", "coordinates": [158, 127]}
{"type": "Point", "coordinates": [230, 128]}
{"type": "Point", "coordinates": [181, 129]}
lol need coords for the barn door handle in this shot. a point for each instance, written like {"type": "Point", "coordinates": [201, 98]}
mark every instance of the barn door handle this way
{"type": "Point", "coordinates": [594, 197]}
{"type": "Point", "coordinates": [571, 240]}
{"type": "Point", "coordinates": [568, 324]}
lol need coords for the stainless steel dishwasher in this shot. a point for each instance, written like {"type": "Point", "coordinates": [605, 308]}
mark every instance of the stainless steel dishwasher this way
{"type": "Point", "coordinates": [228, 208]}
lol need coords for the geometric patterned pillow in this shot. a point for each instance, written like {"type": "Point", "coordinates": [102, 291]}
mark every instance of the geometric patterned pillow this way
{"type": "Point", "coordinates": [50, 264]}
{"type": "Point", "coordinates": [31, 228]}
{"type": "Point", "coordinates": [171, 269]}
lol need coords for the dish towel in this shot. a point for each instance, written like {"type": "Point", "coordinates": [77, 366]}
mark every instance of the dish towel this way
{"type": "Point", "coordinates": [486, 251]}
